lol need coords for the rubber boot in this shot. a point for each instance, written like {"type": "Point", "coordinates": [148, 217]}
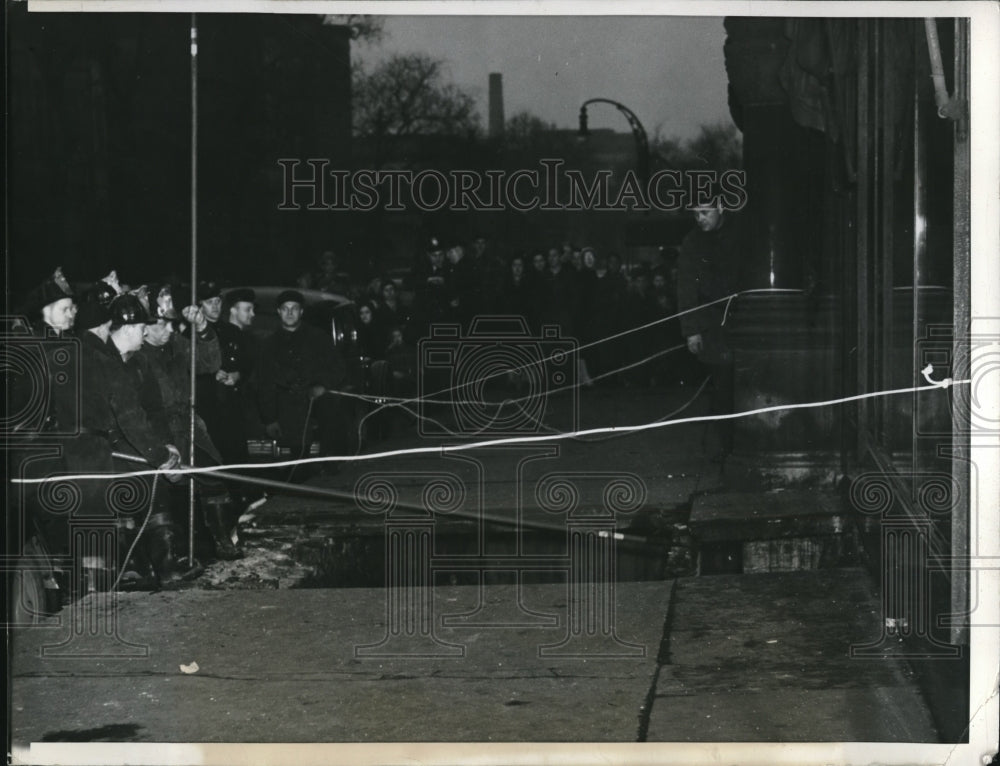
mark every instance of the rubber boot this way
{"type": "Point", "coordinates": [162, 545]}
{"type": "Point", "coordinates": [216, 520]}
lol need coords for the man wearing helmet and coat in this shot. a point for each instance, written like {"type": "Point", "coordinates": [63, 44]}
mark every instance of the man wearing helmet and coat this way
{"type": "Point", "coordinates": [164, 367]}
{"type": "Point", "coordinates": [113, 419]}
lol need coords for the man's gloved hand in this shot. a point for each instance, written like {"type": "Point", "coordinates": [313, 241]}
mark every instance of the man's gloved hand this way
{"type": "Point", "coordinates": [273, 430]}
{"type": "Point", "coordinates": [173, 461]}
{"type": "Point", "coordinates": [695, 344]}
{"type": "Point", "coordinates": [316, 392]}
{"type": "Point", "coordinates": [195, 317]}
{"type": "Point", "coordinates": [227, 378]}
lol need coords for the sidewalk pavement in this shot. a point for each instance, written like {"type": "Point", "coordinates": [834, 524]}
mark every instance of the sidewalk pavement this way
{"type": "Point", "coordinates": [727, 658]}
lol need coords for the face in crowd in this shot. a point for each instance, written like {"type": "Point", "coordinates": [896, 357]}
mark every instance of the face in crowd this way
{"type": "Point", "coordinates": [538, 262]}
{"type": "Point", "coordinates": [708, 218]}
{"type": "Point", "coordinates": [60, 315]}
{"type": "Point", "coordinates": [129, 337]}
{"type": "Point", "coordinates": [365, 315]}
{"type": "Point", "coordinates": [165, 303]}
{"type": "Point", "coordinates": [328, 263]}
{"type": "Point", "coordinates": [290, 313]}
{"type": "Point", "coordinates": [158, 334]}
{"type": "Point", "coordinates": [212, 308]}
{"type": "Point", "coordinates": [241, 314]}
{"type": "Point", "coordinates": [517, 268]}
{"type": "Point", "coordinates": [389, 292]}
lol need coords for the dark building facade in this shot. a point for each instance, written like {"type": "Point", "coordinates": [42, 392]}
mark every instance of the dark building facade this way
{"type": "Point", "coordinates": [858, 185]}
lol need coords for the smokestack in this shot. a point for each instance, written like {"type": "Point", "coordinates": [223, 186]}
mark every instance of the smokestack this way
{"type": "Point", "coordinates": [496, 105]}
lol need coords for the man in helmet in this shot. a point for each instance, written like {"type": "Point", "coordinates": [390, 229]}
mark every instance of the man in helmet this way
{"type": "Point", "coordinates": [54, 303]}
{"type": "Point", "coordinates": [51, 312]}
{"type": "Point", "coordinates": [40, 418]}
{"type": "Point", "coordinates": [113, 419]}
{"type": "Point", "coordinates": [165, 368]}
{"type": "Point", "coordinates": [93, 319]}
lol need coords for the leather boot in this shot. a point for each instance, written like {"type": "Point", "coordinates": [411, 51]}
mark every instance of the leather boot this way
{"type": "Point", "coordinates": [216, 512]}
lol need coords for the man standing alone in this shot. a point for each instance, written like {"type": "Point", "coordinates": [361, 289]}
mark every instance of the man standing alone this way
{"type": "Point", "coordinates": [708, 271]}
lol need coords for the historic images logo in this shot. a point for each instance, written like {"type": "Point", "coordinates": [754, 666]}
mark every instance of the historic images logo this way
{"type": "Point", "coordinates": [312, 185]}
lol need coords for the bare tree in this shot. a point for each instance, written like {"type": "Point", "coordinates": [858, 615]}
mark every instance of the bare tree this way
{"type": "Point", "coordinates": [715, 147]}
{"type": "Point", "coordinates": [407, 95]}
{"type": "Point", "coordinates": [524, 129]}
{"type": "Point", "coordinates": [719, 147]}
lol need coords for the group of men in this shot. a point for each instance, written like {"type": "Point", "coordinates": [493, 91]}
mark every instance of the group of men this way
{"type": "Point", "coordinates": [124, 404]}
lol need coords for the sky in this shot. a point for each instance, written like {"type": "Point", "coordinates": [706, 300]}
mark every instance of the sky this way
{"type": "Point", "coordinates": [668, 70]}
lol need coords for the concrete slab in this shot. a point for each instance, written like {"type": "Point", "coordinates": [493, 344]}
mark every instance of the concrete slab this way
{"type": "Point", "coordinates": [281, 666]}
{"type": "Point", "coordinates": [767, 656]}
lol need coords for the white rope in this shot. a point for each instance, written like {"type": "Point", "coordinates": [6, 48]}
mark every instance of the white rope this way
{"type": "Point", "coordinates": [932, 386]}
{"type": "Point", "coordinates": [138, 534]}
{"type": "Point", "coordinates": [428, 399]}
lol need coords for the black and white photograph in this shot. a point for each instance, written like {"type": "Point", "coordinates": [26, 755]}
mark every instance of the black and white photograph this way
{"type": "Point", "coordinates": [497, 382]}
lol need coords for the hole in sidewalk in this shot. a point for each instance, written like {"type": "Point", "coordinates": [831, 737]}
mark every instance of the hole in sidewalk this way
{"type": "Point", "coordinates": [358, 560]}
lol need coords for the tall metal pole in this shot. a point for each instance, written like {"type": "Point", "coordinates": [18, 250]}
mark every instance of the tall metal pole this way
{"type": "Point", "coordinates": [194, 265]}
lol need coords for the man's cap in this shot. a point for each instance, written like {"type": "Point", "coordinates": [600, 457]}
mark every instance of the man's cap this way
{"type": "Point", "coordinates": [127, 309]}
{"type": "Point", "coordinates": [241, 295]}
{"type": "Point", "coordinates": [208, 290]}
{"type": "Point", "coordinates": [290, 295]}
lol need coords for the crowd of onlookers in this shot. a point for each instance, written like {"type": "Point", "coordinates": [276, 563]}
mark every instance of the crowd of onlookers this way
{"type": "Point", "coordinates": [590, 296]}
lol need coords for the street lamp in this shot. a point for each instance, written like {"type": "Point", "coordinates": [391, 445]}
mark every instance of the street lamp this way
{"type": "Point", "coordinates": [638, 132]}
